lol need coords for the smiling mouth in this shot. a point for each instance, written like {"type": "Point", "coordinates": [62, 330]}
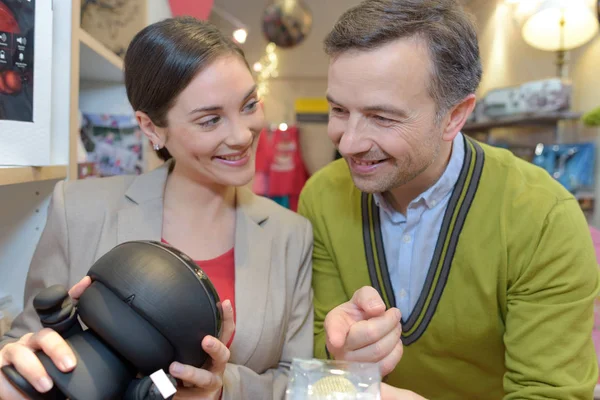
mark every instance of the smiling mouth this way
{"type": "Point", "coordinates": [367, 162]}
{"type": "Point", "coordinates": [234, 157]}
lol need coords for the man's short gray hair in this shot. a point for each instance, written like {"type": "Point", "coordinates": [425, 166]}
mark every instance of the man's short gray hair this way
{"type": "Point", "coordinates": [445, 26]}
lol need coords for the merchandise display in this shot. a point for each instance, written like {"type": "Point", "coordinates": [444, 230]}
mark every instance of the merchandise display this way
{"type": "Point", "coordinates": [148, 306]}
{"type": "Point", "coordinates": [280, 171]}
{"type": "Point", "coordinates": [571, 164]}
{"type": "Point", "coordinates": [73, 107]}
{"type": "Point", "coordinates": [114, 143]}
{"type": "Point", "coordinates": [530, 98]}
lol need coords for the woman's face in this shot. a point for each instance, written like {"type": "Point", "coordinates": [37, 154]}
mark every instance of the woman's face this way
{"type": "Point", "coordinates": [213, 126]}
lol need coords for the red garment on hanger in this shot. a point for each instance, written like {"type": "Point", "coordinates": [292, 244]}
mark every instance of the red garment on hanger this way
{"type": "Point", "coordinates": [280, 170]}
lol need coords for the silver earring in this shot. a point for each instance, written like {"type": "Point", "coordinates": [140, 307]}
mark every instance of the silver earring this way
{"type": "Point", "coordinates": [156, 147]}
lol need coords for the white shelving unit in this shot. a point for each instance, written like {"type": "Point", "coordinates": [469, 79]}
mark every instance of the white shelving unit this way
{"type": "Point", "coordinates": [15, 175]}
{"type": "Point", "coordinates": [97, 63]}
{"type": "Point", "coordinates": [85, 75]}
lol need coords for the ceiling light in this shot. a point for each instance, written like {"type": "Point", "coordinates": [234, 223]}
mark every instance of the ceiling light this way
{"type": "Point", "coordinates": [240, 35]}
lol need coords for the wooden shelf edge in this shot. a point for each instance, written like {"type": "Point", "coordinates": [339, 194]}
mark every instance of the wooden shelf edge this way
{"type": "Point", "coordinates": [103, 51]}
{"type": "Point", "coordinates": [542, 119]}
{"type": "Point", "coordinates": [14, 175]}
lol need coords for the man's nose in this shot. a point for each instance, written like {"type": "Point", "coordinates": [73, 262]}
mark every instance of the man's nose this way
{"type": "Point", "coordinates": [353, 140]}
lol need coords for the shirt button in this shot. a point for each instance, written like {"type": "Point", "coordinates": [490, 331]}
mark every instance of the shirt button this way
{"type": "Point", "coordinates": [402, 293]}
{"type": "Point", "coordinates": [433, 203]}
{"type": "Point", "coordinates": [406, 238]}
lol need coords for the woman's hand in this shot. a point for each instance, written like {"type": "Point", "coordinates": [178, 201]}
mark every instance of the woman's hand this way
{"type": "Point", "coordinates": [21, 355]}
{"type": "Point", "coordinates": [206, 383]}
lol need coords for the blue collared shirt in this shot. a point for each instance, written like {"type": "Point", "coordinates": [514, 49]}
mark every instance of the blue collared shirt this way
{"type": "Point", "coordinates": [410, 240]}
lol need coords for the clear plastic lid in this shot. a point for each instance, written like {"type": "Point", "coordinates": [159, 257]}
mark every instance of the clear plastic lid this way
{"type": "Point", "coordinates": [333, 380]}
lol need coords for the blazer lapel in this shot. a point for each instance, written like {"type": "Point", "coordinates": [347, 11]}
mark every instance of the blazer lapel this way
{"type": "Point", "coordinates": [252, 271]}
{"type": "Point", "coordinates": [142, 219]}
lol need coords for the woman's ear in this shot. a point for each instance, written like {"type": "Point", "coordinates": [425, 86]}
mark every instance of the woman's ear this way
{"type": "Point", "coordinates": [155, 134]}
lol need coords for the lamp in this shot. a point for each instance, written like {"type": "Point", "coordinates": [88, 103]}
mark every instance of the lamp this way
{"type": "Point", "coordinates": [560, 25]}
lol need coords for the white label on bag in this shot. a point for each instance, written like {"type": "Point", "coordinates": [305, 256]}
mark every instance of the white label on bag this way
{"type": "Point", "coordinates": [163, 384]}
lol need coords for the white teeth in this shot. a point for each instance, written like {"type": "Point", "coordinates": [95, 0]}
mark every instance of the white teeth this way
{"type": "Point", "coordinates": [233, 158]}
{"type": "Point", "coordinates": [367, 163]}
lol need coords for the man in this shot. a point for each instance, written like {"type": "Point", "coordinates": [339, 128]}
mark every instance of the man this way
{"type": "Point", "coordinates": [488, 259]}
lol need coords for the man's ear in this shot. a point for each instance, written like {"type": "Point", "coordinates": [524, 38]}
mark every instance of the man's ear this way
{"type": "Point", "coordinates": [155, 134]}
{"type": "Point", "coordinates": [458, 117]}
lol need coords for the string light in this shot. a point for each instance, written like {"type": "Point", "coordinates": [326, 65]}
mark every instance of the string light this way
{"type": "Point", "coordinates": [266, 68]}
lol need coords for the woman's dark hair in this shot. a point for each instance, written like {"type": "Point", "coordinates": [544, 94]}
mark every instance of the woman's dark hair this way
{"type": "Point", "coordinates": [163, 58]}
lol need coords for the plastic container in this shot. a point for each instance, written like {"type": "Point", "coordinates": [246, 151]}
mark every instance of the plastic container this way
{"type": "Point", "coordinates": [333, 380]}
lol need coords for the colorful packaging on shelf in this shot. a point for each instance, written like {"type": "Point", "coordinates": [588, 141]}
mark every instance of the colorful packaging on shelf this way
{"type": "Point", "coordinates": [570, 164]}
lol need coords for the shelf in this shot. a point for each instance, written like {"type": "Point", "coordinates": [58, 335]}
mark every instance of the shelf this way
{"type": "Point", "coordinates": [97, 62]}
{"type": "Point", "coordinates": [13, 175]}
{"type": "Point", "coordinates": [549, 119]}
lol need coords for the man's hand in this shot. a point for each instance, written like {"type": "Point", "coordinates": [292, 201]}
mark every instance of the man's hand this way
{"type": "Point", "coordinates": [362, 330]}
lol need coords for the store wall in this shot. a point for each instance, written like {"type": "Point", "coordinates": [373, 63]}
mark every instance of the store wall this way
{"type": "Point", "coordinates": [508, 60]}
{"type": "Point", "coordinates": [283, 92]}
{"type": "Point", "coordinates": [317, 150]}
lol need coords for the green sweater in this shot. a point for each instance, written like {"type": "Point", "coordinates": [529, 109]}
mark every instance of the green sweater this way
{"type": "Point", "coordinates": [507, 308]}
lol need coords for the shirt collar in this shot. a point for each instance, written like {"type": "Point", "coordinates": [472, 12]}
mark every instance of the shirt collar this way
{"type": "Point", "coordinates": [436, 193]}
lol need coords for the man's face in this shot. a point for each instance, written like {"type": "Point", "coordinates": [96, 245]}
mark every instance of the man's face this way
{"type": "Point", "coordinates": [382, 118]}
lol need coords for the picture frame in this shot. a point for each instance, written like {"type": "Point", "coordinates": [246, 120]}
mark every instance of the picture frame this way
{"type": "Point", "coordinates": [25, 82]}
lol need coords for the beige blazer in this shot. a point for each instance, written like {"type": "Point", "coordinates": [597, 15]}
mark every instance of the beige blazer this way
{"type": "Point", "coordinates": [273, 249]}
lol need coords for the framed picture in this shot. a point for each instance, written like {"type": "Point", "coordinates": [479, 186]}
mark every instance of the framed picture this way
{"type": "Point", "coordinates": [25, 81]}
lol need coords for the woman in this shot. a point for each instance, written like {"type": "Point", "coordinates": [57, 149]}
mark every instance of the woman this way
{"type": "Point", "coordinates": [195, 99]}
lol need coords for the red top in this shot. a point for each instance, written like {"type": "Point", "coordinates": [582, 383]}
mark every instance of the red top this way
{"type": "Point", "coordinates": [221, 272]}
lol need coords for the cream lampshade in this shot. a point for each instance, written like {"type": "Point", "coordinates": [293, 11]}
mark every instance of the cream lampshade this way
{"type": "Point", "coordinates": [560, 25]}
